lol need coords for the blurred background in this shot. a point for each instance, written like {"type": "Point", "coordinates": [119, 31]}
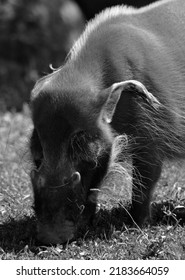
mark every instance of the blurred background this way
{"type": "Point", "coordinates": [35, 34]}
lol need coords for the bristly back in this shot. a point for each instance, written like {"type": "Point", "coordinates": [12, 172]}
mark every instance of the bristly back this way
{"type": "Point", "coordinates": [105, 17]}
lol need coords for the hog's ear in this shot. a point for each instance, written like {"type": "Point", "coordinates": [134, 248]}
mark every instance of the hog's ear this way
{"type": "Point", "coordinates": [132, 86]}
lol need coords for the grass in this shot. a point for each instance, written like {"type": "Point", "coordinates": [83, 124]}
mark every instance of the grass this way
{"type": "Point", "coordinates": [110, 237]}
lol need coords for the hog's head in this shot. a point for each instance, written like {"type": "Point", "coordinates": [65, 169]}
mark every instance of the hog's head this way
{"type": "Point", "coordinates": [70, 146]}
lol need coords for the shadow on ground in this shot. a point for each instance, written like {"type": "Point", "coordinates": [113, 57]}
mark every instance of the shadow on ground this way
{"type": "Point", "coordinates": [15, 235]}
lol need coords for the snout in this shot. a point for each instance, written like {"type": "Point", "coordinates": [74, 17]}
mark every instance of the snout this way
{"type": "Point", "coordinates": [57, 234]}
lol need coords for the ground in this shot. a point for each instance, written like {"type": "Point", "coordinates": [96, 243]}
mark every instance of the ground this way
{"type": "Point", "coordinates": [110, 237]}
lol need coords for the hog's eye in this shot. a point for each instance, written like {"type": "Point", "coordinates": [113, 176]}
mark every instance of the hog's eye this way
{"type": "Point", "coordinates": [85, 149]}
{"type": "Point", "coordinates": [38, 162]}
{"type": "Point", "coordinates": [79, 146]}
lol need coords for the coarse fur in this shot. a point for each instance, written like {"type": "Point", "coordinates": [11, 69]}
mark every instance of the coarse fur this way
{"type": "Point", "coordinates": [120, 44]}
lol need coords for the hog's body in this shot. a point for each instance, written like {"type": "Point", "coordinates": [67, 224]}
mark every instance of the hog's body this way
{"type": "Point", "coordinates": [79, 109]}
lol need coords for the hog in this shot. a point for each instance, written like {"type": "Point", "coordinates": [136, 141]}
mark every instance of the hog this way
{"type": "Point", "coordinates": [124, 77]}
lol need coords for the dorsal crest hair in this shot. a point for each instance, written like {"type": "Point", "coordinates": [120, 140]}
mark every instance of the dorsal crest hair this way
{"type": "Point", "coordinates": [103, 18]}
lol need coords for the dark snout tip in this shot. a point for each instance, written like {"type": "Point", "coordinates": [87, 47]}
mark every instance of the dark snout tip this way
{"type": "Point", "coordinates": [58, 235]}
{"type": "Point", "coordinates": [47, 243]}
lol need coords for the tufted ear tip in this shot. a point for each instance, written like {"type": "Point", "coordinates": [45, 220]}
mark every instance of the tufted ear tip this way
{"type": "Point", "coordinates": [134, 87]}
{"type": "Point", "coordinates": [140, 89]}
